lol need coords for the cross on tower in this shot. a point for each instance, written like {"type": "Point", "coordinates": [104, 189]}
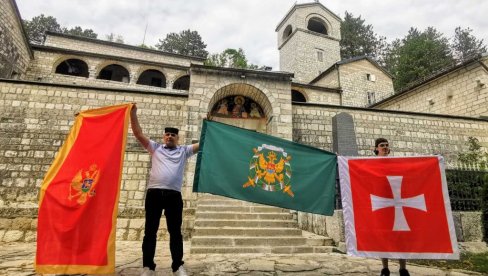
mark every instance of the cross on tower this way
{"type": "Point", "coordinates": [417, 202]}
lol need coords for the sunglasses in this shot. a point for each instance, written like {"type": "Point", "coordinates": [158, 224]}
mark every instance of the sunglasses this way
{"type": "Point", "coordinates": [383, 145]}
{"type": "Point", "coordinates": [170, 134]}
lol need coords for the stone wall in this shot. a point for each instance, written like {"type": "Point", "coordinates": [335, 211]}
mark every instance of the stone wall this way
{"type": "Point", "coordinates": [34, 121]}
{"type": "Point", "coordinates": [354, 83]}
{"type": "Point", "coordinates": [408, 133]}
{"type": "Point", "coordinates": [102, 47]}
{"type": "Point", "coordinates": [298, 51]}
{"type": "Point", "coordinates": [319, 94]}
{"type": "Point", "coordinates": [14, 48]}
{"type": "Point", "coordinates": [299, 54]}
{"type": "Point", "coordinates": [463, 92]}
{"type": "Point", "coordinates": [299, 15]}
{"type": "Point", "coordinates": [43, 68]}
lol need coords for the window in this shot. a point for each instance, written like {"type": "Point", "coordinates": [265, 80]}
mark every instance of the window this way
{"type": "Point", "coordinates": [287, 32]}
{"type": "Point", "coordinates": [320, 55]}
{"type": "Point", "coordinates": [152, 78]}
{"type": "Point", "coordinates": [371, 77]}
{"type": "Point", "coordinates": [182, 83]}
{"type": "Point", "coordinates": [371, 98]}
{"type": "Point", "coordinates": [317, 25]}
{"type": "Point", "coordinates": [297, 96]}
{"type": "Point", "coordinates": [73, 67]}
{"type": "Point", "coordinates": [114, 72]}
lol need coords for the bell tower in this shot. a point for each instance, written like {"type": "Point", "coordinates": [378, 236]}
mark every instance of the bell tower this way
{"type": "Point", "coordinates": [308, 40]}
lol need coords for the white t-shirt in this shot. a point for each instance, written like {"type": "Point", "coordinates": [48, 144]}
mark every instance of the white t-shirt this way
{"type": "Point", "coordinates": [168, 165]}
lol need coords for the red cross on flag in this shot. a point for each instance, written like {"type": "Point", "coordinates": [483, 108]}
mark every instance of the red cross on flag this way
{"type": "Point", "coordinates": [397, 207]}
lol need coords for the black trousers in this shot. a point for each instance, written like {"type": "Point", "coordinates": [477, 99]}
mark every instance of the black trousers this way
{"type": "Point", "coordinates": [172, 203]}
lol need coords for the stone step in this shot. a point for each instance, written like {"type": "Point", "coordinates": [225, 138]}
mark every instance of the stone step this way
{"type": "Point", "coordinates": [260, 249]}
{"type": "Point", "coordinates": [243, 216]}
{"type": "Point", "coordinates": [246, 223]}
{"type": "Point", "coordinates": [228, 202]}
{"type": "Point", "coordinates": [224, 241]}
{"type": "Point", "coordinates": [245, 232]}
{"type": "Point", "coordinates": [240, 209]}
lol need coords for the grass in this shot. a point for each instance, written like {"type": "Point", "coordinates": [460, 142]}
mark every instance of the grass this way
{"type": "Point", "coordinates": [468, 261]}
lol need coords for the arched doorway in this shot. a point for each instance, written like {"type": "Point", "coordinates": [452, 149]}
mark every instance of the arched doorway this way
{"type": "Point", "coordinates": [241, 105]}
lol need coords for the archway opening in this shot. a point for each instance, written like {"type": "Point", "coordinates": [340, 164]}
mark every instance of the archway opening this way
{"type": "Point", "coordinates": [114, 72]}
{"type": "Point", "coordinates": [152, 78]}
{"type": "Point", "coordinates": [242, 105]}
{"type": "Point", "coordinates": [287, 32]}
{"type": "Point", "coordinates": [182, 83]}
{"type": "Point", "coordinates": [73, 67]}
{"type": "Point", "coordinates": [297, 96]}
{"type": "Point", "coordinates": [317, 25]}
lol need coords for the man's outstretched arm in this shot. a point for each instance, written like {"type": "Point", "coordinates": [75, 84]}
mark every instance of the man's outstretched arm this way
{"type": "Point", "coordinates": [136, 128]}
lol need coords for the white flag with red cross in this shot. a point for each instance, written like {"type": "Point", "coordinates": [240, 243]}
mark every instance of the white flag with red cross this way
{"type": "Point", "coordinates": [397, 207]}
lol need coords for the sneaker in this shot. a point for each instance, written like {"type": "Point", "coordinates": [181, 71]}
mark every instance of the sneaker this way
{"type": "Point", "coordinates": [404, 272]}
{"type": "Point", "coordinates": [148, 272]}
{"type": "Point", "coordinates": [385, 272]}
{"type": "Point", "coordinates": [180, 272]}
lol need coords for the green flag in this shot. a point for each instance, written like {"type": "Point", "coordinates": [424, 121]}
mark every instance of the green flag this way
{"type": "Point", "coordinates": [256, 167]}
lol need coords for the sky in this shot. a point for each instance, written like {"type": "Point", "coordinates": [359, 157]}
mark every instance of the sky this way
{"type": "Point", "coordinates": [250, 24]}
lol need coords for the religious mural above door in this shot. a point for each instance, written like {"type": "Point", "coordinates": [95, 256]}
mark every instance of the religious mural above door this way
{"type": "Point", "coordinates": [238, 107]}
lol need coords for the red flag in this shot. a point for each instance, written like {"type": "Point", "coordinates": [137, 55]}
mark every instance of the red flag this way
{"type": "Point", "coordinates": [397, 207]}
{"type": "Point", "coordinates": [79, 196]}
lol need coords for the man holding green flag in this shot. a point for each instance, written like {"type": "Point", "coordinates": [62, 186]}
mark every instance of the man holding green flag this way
{"type": "Point", "coordinates": [260, 168]}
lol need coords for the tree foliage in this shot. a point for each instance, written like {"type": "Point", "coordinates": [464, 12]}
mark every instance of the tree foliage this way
{"type": "Point", "coordinates": [114, 38]}
{"type": "Point", "coordinates": [80, 32]}
{"type": "Point", "coordinates": [232, 58]}
{"type": "Point", "coordinates": [39, 25]}
{"type": "Point", "coordinates": [417, 55]}
{"type": "Point", "coordinates": [358, 38]}
{"type": "Point", "coordinates": [475, 154]}
{"type": "Point", "coordinates": [187, 42]}
{"type": "Point", "coordinates": [466, 45]}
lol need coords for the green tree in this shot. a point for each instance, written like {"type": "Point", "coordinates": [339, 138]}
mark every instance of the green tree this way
{"type": "Point", "coordinates": [187, 42]}
{"type": "Point", "coordinates": [475, 154]}
{"type": "Point", "coordinates": [466, 45]}
{"type": "Point", "coordinates": [147, 46]}
{"type": "Point", "coordinates": [114, 38]}
{"type": "Point", "coordinates": [232, 58]}
{"type": "Point", "coordinates": [417, 55]}
{"type": "Point", "coordinates": [359, 39]}
{"type": "Point", "coordinates": [80, 32]}
{"type": "Point", "coordinates": [38, 25]}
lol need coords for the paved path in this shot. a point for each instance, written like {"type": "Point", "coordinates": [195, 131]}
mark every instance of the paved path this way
{"type": "Point", "coordinates": [17, 259]}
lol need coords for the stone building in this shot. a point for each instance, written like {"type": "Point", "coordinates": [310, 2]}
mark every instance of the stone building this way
{"type": "Point", "coordinates": [316, 99]}
{"type": "Point", "coordinates": [458, 90]}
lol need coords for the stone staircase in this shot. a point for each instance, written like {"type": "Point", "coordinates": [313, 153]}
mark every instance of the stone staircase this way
{"type": "Point", "coordinates": [224, 225]}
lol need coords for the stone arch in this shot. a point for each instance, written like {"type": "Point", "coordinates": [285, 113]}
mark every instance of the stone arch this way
{"type": "Point", "coordinates": [318, 24]}
{"type": "Point", "coordinates": [182, 83]}
{"type": "Point", "coordinates": [246, 90]}
{"type": "Point", "coordinates": [114, 72]}
{"type": "Point", "coordinates": [152, 77]}
{"type": "Point", "coordinates": [287, 32]}
{"type": "Point", "coordinates": [298, 96]}
{"type": "Point", "coordinates": [80, 63]}
{"type": "Point", "coordinates": [107, 63]}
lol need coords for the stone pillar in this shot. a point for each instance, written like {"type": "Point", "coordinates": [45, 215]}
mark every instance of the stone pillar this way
{"type": "Point", "coordinates": [344, 143]}
{"type": "Point", "coordinates": [343, 135]}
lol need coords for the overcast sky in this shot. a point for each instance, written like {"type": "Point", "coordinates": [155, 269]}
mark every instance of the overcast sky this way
{"type": "Point", "coordinates": [250, 24]}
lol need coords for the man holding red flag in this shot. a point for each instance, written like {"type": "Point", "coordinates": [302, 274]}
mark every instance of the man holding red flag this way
{"type": "Point", "coordinates": [382, 148]}
{"type": "Point", "coordinates": [163, 193]}
{"type": "Point", "coordinates": [396, 207]}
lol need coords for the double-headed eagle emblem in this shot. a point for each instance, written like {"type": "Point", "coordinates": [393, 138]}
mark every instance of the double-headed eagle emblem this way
{"type": "Point", "coordinates": [84, 184]}
{"type": "Point", "coordinates": [270, 169]}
